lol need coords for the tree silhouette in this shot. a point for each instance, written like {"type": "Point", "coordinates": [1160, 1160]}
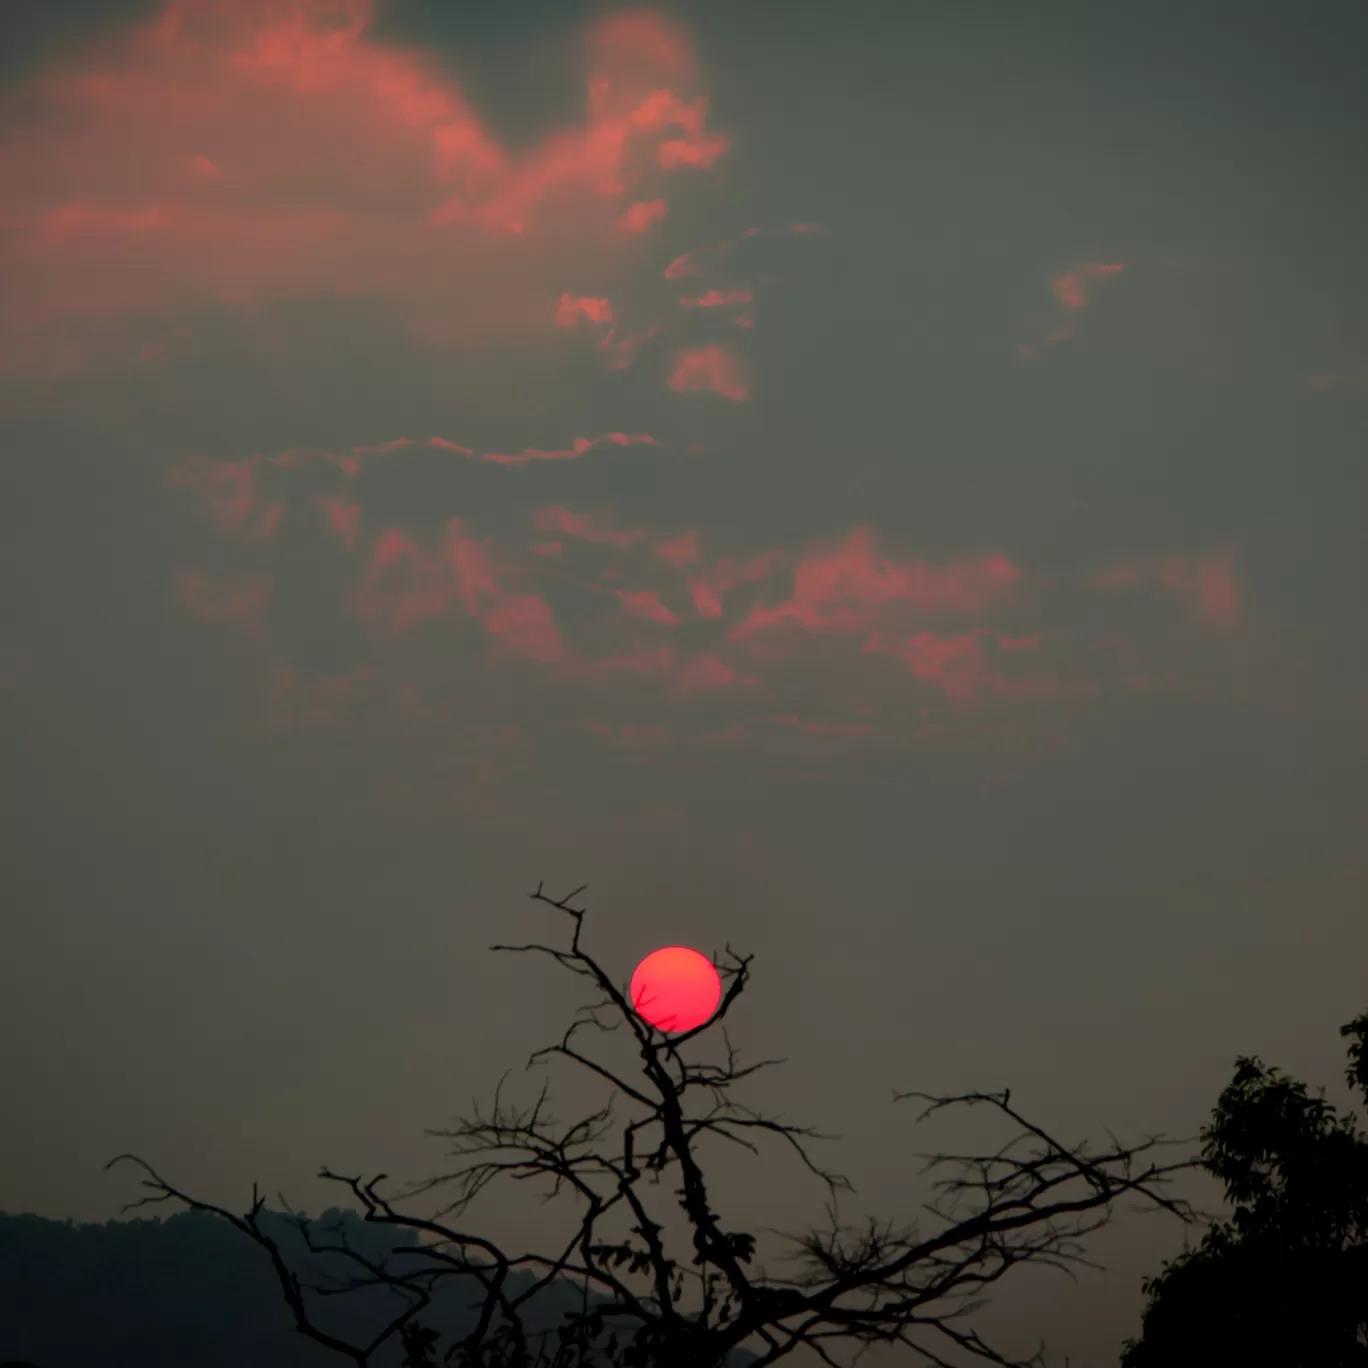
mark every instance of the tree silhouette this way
{"type": "Point", "coordinates": [1285, 1281]}
{"type": "Point", "coordinates": [651, 1300]}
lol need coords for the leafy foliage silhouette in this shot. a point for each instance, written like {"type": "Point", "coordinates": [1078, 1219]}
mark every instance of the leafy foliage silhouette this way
{"type": "Point", "coordinates": [650, 1303]}
{"type": "Point", "coordinates": [1285, 1280]}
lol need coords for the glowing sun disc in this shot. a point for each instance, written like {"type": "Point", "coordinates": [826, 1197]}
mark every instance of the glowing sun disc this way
{"type": "Point", "coordinates": [675, 989]}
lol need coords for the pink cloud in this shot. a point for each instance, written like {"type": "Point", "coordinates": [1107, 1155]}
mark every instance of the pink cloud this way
{"type": "Point", "coordinates": [589, 308]}
{"type": "Point", "coordinates": [963, 670]}
{"type": "Point", "coordinates": [707, 672]}
{"type": "Point", "coordinates": [579, 447]}
{"type": "Point", "coordinates": [404, 587]}
{"type": "Point", "coordinates": [659, 660]}
{"type": "Point", "coordinates": [622, 350]}
{"type": "Point", "coordinates": [641, 215]}
{"type": "Point", "coordinates": [1209, 583]}
{"type": "Point", "coordinates": [843, 589]}
{"type": "Point", "coordinates": [1070, 288]}
{"type": "Point", "coordinates": [586, 527]}
{"type": "Point", "coordinates": [237, 151]}
{"type": "Point", "coordinates": [442, 444]}
{"type": "Point", "coordinates": [226, 490]}
{"type": "Point", "coordinates": [707, 590]}
{"type": "Point", "coordinates": [343, 518]}
{"type": "Point", "coordinates": [525, 625]}
{"type": "Point", "coordinates": [713, 368]}
{"type": "Point", "coordinates": [696, 262]}
{"type": "Point", "coordinates": [679, 551]}
{"type": "Point", "coordinates": [645, 603]}
{"type": "Point", "coordinates": [716, 299]}
{"type": "Point", "coordinates": [956, 665]}
{"type": "Point", "coordinates": [707, 601]}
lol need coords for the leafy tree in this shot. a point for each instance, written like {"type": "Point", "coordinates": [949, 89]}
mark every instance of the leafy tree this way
{"type": "Point", "coordinates": [1285, 1280]}
{"type": "Point", "coordinates": [654, 1300]}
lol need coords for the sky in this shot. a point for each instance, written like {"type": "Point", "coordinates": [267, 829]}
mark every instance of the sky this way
{"type": "Point", "coordinates": [878, 485]}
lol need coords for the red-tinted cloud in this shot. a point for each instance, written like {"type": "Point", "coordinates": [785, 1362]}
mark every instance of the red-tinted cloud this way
{"type": "Point", "coordinates": [404, 587]}
{"type": "Point", "coordinates": [1207, 582]}
{"type": "Point", "coordinates": [1071, 288]}
{"type": "Point", "coordinates": [707, 590]}
{"type": "Point", "coordinates": [715, 299]}
{"type": "Point", "coordinates": [622, 350]}
{"type": "Point", "coordinates": [697, 262]}
{"type": "Point", "coordinates": [645, 603]}
{"type": "Point", "coordinates": [343, 518]}
{"type": "Point", "coordinates": [227, 492]}
{"type": "Point", "coordinates": [713, 368]}
{"type": "Point", "coordinates": [641, 215]}
{"type": "Point", "coordinates": [844, 589]}
{"type": "Point", "coordinates": [579, 447]}
{"type": "Point", "coordinates": [707, 672]}
{"type": "Point", "coordinates": [679, 551]}
{"type": "Point", "coordinates": [241, 151]}
{"type": "Point", "coordinates": [589, 308]}
{"type": "Point", "coordinates": [963, 670]}
{"type": "Point", "coordinates": [586, 527]}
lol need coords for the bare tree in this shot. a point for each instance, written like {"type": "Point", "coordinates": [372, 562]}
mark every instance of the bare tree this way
{"type": "Point", "coordinates": [649, 1303]}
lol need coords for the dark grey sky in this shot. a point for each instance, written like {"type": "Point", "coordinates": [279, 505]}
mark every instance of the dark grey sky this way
{"type": "Point", "coordinates": [977, 639]}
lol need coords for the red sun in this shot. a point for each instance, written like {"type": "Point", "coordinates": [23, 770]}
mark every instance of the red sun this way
{"type": "Point", "coordinates": [675, 989]}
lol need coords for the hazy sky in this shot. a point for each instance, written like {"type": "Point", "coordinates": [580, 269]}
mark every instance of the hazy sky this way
{"type": "Point", "coordinates": [878, 484]}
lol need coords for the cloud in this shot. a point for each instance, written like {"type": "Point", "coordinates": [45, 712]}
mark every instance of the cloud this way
{"type": "Point", "coordinates": [590, 308]}
{"type": "Point", "coordinates": [586, 527]}
{"type": "Point", "coordinates": [713, 368]}
{"type": "Point", "coordinates": [708, 589]}
{"type": "Point", "coordinates": [641, 215]}
{"type": "Point", "coordinates": [716, 299]}
{"type": "Point", "coordinates": [1071, 287]}
{"type": "Point", "coordinates": [238, 152]}
{"type": "Point", "coordinates": [707, 672]}
{"type": "Point", "coordinates": [227, 492]}
{"type": "Point", "coordinates": [622, 350]}
{"type": "Point", "coordinates": [579, 447]}
{"type": "Point", "coordinates": [844, 589]}
{"type": "Point", "coordinates": [645, 603]}
{"type": "Point", "coordinates": [696, 262]}
{"type": "Point", "coordinates": [343, 517]}
{"type": "Point", "coordinates": [404, 587]}
{"type": "Point", "coordinates": [1208, 582]}
{"type": "Point", "coordinates": [679, 551]}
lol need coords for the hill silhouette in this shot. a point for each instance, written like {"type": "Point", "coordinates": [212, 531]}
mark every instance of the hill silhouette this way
{"type": "Point", "coordinates": [189, 1290]}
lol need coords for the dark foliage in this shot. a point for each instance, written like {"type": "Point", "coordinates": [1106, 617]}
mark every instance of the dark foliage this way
{"type": "Point", "coordinates": [1284, 1282]}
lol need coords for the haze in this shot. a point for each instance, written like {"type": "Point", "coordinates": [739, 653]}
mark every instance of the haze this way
{"type": "Point", "coordinates": [880, 485]}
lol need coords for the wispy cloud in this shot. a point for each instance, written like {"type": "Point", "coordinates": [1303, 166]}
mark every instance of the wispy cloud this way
{"type": "Point", "coordinates": [712, 368]}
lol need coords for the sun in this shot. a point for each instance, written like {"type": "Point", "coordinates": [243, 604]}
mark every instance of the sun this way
{"type": "Point", "coordinates": [675, 989]}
